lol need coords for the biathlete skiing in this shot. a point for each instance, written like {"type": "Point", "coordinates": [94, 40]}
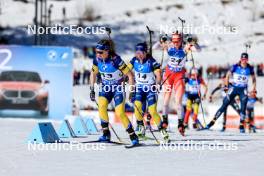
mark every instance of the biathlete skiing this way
{"type": "Point", "coordinates": [174, 76]}
{"type": "Point", "coordinates": [240, 72]}
{"type": "Point", "coordinates": [234, 104]}
{"type": "Point", "coordinates": [148, 79]}
{"type": "Point", "coordinates": [112, 70]}
{"type": "Point", "coordinates": [252, 100]}
{"type": "Point", "coordinates": [193, 90]}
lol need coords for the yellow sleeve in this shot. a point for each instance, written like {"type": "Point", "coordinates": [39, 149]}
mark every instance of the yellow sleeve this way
{"type": "Point", "coordinates": [158, 70]}
{"type": "Point", "coordinates": [130, 66]}
{"type": "Point", "coordinates": [94, 69]}
{"type": "Point", "coordinates": [124, 69]}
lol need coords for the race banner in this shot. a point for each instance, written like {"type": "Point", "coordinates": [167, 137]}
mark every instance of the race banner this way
{"type": "Point", "coordinates": [35, 82]}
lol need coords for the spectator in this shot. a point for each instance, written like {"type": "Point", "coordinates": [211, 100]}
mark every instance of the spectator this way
{"type": "Point", "coordinates": [86, 70]}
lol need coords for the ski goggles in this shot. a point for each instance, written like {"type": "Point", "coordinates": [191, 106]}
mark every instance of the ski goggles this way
{"type": "Point", "coordinates": [102, 47]}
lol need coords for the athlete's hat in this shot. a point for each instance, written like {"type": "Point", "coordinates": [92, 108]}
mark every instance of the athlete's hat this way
{"type": "Point", "coordinates": [141, 47]}
{"type": "Point", "coordinates": [103, 45]}
{"type": "Point", "coordinates": [244, 56]}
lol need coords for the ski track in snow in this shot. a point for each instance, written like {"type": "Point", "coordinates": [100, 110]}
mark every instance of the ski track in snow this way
{"type": "Point", "coordinates": [116, 160]}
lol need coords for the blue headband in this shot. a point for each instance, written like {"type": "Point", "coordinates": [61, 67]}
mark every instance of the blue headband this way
{"type": "Point", "coordinates": [141, 48]}
{"type": "Point", "coordinates": [102, 47]}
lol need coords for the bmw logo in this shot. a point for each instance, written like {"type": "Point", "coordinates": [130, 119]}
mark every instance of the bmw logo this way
{"type": "Point", "coordinates": [52, 55]}
{"type": "Point", "coordinates": [104, 67]}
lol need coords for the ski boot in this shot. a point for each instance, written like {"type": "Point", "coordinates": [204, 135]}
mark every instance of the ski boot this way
{"type": "Point", "coordinates": [186, 126]}
{"type": "Point", "coordinates": [164, 133]}
{"type": "Point", "coordinates": [106, 137]}
{"type": "Point", "coordinates": [208, 126]}
{"type": "Point", "coordinates": [165, 121]}
{"type": "Point", "coordinates": [141, 131]}
{"type": "Point", "coordinates": [223, 129]}
{"type": "Point", "coordinates": [181, 127]}
{"type": "Point", "coordinates": [252, 128]}
{"type": "Point", "coordinates": [132, 135]}
{"type": "Point", "coordinates": [195, 126]}
{"type": "Point", "coordinates": [242, 127]}
{"type": "Point", "coordinates": [148, 122]}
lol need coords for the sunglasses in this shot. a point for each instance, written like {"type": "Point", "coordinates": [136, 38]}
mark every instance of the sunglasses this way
{"type": "Point", "coordinates": [99, 52]}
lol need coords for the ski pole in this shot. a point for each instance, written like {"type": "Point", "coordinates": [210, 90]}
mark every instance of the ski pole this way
{"type": "Point", "coordinates": [108, 31]}
{"type": "Point", "coordinates": [162, 57]}
{"type": "Point", "coordinates": [150, 40]}
{"type": "Point", "coordinates": [150, 128]}
{"type": "Point", "coordinates": [182, 23]}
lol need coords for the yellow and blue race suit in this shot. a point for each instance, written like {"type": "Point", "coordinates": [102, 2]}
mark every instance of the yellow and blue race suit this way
{"type": "Point", "coordinates": [112, 71]}
{"type": "Point", "coordinates": [145, 87]}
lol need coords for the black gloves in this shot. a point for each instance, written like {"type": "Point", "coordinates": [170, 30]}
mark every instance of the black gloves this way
{"type": "Point", "coordinates": [92, 93]}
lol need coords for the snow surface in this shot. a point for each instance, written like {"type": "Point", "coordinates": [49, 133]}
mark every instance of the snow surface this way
{"type": "Point", "coordinates": [245, 159]}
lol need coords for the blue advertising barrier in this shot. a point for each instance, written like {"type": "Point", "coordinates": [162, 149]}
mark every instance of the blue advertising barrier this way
{"type": "Point", "coordinates": [35, 81]}
{"type": "Point", "coordinates": [65, 130]}
{"type": "Point", "coordinates": [79, 127]}
{"type": "Point", "coordinates": [90, 125]}
{"type": "Point", "coordinates": [43, 132]}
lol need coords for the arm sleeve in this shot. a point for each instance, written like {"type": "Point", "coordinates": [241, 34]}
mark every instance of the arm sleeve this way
{"type": "Point", "coordinates": [233, 68]}
{"type": "Point", "coordinates": [121, 65]}
{"type": "Point", "coordinates": [95, 66]}
{"type": "Point", "coordinates": [131, 64]}
{"type": "Point", "coordinates": [155, 65]}
{"type": "Point", "coordinates": [252, 72]}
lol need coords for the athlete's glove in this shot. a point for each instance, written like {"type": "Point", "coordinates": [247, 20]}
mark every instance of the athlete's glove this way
{"type": "Point", "coordinates": [226, 88]}
{"type": "Point", "coordinates": [132, 96]}
{"type": "Point", "coordinates": [164, 38]}
{"type": "Point", "coordinates": [92, 93]}
{"type": "Point", "coordinates": [197, 100]}
{"type": "Point", "coordinates": [189, 39]}
{"type": "Point", "coordinates": [204, 97]}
